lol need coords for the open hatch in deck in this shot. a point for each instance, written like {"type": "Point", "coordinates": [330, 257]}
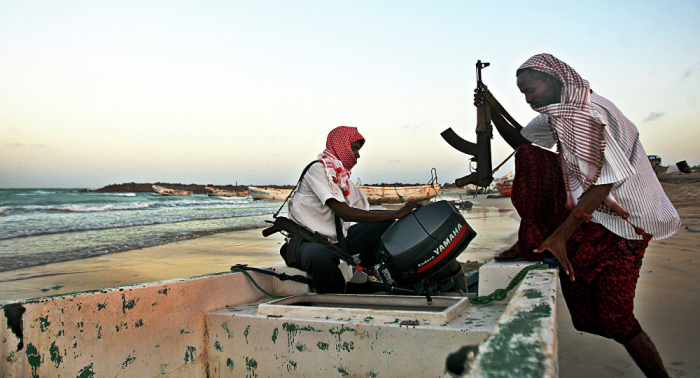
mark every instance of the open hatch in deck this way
{"type": "Point", "coordinates": [359, 307]}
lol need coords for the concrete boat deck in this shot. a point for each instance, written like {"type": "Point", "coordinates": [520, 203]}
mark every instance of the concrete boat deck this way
{"type": "Point", "coordinates": [210, 326]}
{"type": "Point", "coordinates": [268, 345]}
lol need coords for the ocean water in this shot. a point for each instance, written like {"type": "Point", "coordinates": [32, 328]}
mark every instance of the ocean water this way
{"type": "Point", "coordinates": [42, 226]}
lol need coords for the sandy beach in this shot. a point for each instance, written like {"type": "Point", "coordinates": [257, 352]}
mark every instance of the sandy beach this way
{"type": "Point", "coordinates": [666, 304]}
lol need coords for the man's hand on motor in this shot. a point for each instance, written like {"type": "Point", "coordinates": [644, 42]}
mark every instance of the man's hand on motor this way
{"type": "Point", "coordinates": [407, 209]}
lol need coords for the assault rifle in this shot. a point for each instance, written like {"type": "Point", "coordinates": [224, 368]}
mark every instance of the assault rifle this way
{"type": "Point", "coordinates": [291, 227]}
{"type": "Point", "coordinates": [481, 150]}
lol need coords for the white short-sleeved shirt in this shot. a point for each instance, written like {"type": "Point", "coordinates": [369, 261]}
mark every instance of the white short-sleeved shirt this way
{"type": "Point", "coordinates": [308, 208]}
{"type": "Point", "coordinates": [626, 166]}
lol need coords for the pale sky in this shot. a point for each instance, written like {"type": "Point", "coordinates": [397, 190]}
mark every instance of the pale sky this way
{"type": "Point", "coordinates": [217, 92]}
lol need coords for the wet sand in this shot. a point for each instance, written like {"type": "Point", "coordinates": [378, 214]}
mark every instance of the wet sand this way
{"type": "Point", "coordinates": [195, 257]}
{"type": "Point", "coordinates": [667, 302]}
{"type": "Point", "coordinates": [495, 224]}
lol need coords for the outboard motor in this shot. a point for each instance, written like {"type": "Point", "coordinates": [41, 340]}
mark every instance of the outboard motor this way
{"type": "Point", "coordinates": [420, 250]}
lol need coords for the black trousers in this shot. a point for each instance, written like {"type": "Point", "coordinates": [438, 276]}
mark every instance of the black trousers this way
{"type": "Point", "coordinates": [322, 263]}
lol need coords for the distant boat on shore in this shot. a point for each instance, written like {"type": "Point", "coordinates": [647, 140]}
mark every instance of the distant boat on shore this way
{"type": "Point", "coordinates": [389, 194]}
{"type": "Point", "coordinates": [269, 193]}
{"type": "Point", "coordinates": [655, 161]}
{"type": "Point", "coordinates": [375, 194]}
{"type": "Point", "coordinates": [505, 187]}
{"type": "Point", "coordinates": [214, 192]}
{"type": "Point", "coordinates": [163, 191]}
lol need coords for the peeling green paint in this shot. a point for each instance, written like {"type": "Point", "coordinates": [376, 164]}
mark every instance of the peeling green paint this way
{"type": "Point", "coordinates": [246, 332]}
{"type": "Point", "coordinates": [291, 365]}
{"type": "Point", "coordinates": [532, 294]}
{"type": "Point", "coordinates": [509, 353]}
{"type": "Point", "coordinates": [322, 346]}
{"type": "Point", "coordinates": [251, 365]}
{"type": "Point", "coordinates": [139, 323]}
{"type": "Point", "coordinates": [61, 333]}
{"type": "Point", "coordinates": [101, 306]}
{"type": "Point", "coordinates": [343, 371]}
{"type": "Point", "coordinates": [44, 323]}
{"type": "Point", "coordinates": [190, 354]}
{"type": "Point", "coordinates": [292, 329]}
{"type": "Point", "coordinates": [342, 345]}
{"type": "Point", "coordinates": [230, 364]}
{"type": "Point", "coordinates": [163, 291]}
{"type": "Point", "coordinates": [274, 335]}
{"type": "Point", "coordinates": [128, 305]}
{"type": "Point", "coordinates": [86, 372]}
{"type": "Point", "coordinates": [162, 368]}
{"type": "Point", "coordinates": [217, 346]}
{"type": "Point", "coordinates": [99, 331]}
{"type": "Point", "coordinates": [301, 347]}
{"type": "Point", "coordinates": [345, 346]}
{"type": "Point", "coordinates": [372, 374]}
{"type": "Point", "coordinates": [55, 354]}
{"type": "Point", "coordinates": [129, 360]}
{"type": "Point", "coordinates": [10, 357]}
{"type": "Point", "coordinates": [33, 358]}
{"type": "Point", "coordinates": [80, 326]}
{"type": "Point", "coordinates": [224, 325]}
{"type": "Point", "coordinates": [182, 331]}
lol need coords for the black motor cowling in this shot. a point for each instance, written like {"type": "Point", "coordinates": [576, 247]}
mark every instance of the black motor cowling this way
{"type": "Point", "coordinates": [425, 243]}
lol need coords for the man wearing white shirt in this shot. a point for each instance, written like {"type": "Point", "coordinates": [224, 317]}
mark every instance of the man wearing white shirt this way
{"type": "Point", "coordinates": [593, 205]}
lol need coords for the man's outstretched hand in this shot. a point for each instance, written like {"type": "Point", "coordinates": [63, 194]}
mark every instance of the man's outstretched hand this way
{"type": "Point", "coordinates": [557, 246]}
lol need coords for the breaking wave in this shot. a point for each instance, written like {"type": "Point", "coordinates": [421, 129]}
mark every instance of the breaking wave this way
{"type": "Point", "coordinates": [110, 226]}
{"type": "Point", "coordinates": [92, 209]}
{"type": "Point", "coordinates": [115, 194]}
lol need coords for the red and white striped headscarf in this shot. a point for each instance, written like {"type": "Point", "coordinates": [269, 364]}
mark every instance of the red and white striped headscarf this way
{"type": "Point", "coordinates": [338, 157]}
{"type": "Point", "coordinates": [580, 136]}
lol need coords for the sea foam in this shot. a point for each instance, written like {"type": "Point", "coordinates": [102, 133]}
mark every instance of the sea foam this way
{"type": "Point", "coordinates": [91, 209]}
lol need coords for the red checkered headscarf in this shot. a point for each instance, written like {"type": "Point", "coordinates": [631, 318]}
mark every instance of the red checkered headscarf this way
{"type": "Point", "coordinates": [338, 156]}
{"type": "Point", "coordinates": [580, 136]}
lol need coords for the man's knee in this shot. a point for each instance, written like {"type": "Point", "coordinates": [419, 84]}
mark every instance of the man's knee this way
{"type": "Point", "coordinates": [316, 257]}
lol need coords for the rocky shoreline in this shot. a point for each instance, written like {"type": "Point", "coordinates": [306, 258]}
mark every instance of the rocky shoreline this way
{"type": "Point", "coordinates": [242, 190]}
{"type": "Point", "coordinates": [133, 187]}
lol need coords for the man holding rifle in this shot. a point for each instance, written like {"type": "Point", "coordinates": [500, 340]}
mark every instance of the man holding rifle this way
{"type": "Point", "coordinates": [593, 205]}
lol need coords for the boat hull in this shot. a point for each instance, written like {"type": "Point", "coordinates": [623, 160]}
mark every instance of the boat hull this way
{"type": "Point", "coordinates": [505, 189]}
{"type": "Point", "coordinates": [163, 191]}
{"type": "Point", "coordinates": [269, 193]}
{"type": "Point", "coordinates": [399, 194]}
{"type": "Point", "coordinates": [214, 192]}
{"type": "Point", "coordinates": [210, 326]}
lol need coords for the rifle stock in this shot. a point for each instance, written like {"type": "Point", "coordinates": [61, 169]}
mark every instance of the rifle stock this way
{"type": "Point", "coordinates": [284, 224]}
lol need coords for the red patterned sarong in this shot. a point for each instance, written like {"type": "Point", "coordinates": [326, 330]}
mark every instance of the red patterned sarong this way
{"type": "Point", "coordinates": [601, 300]}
